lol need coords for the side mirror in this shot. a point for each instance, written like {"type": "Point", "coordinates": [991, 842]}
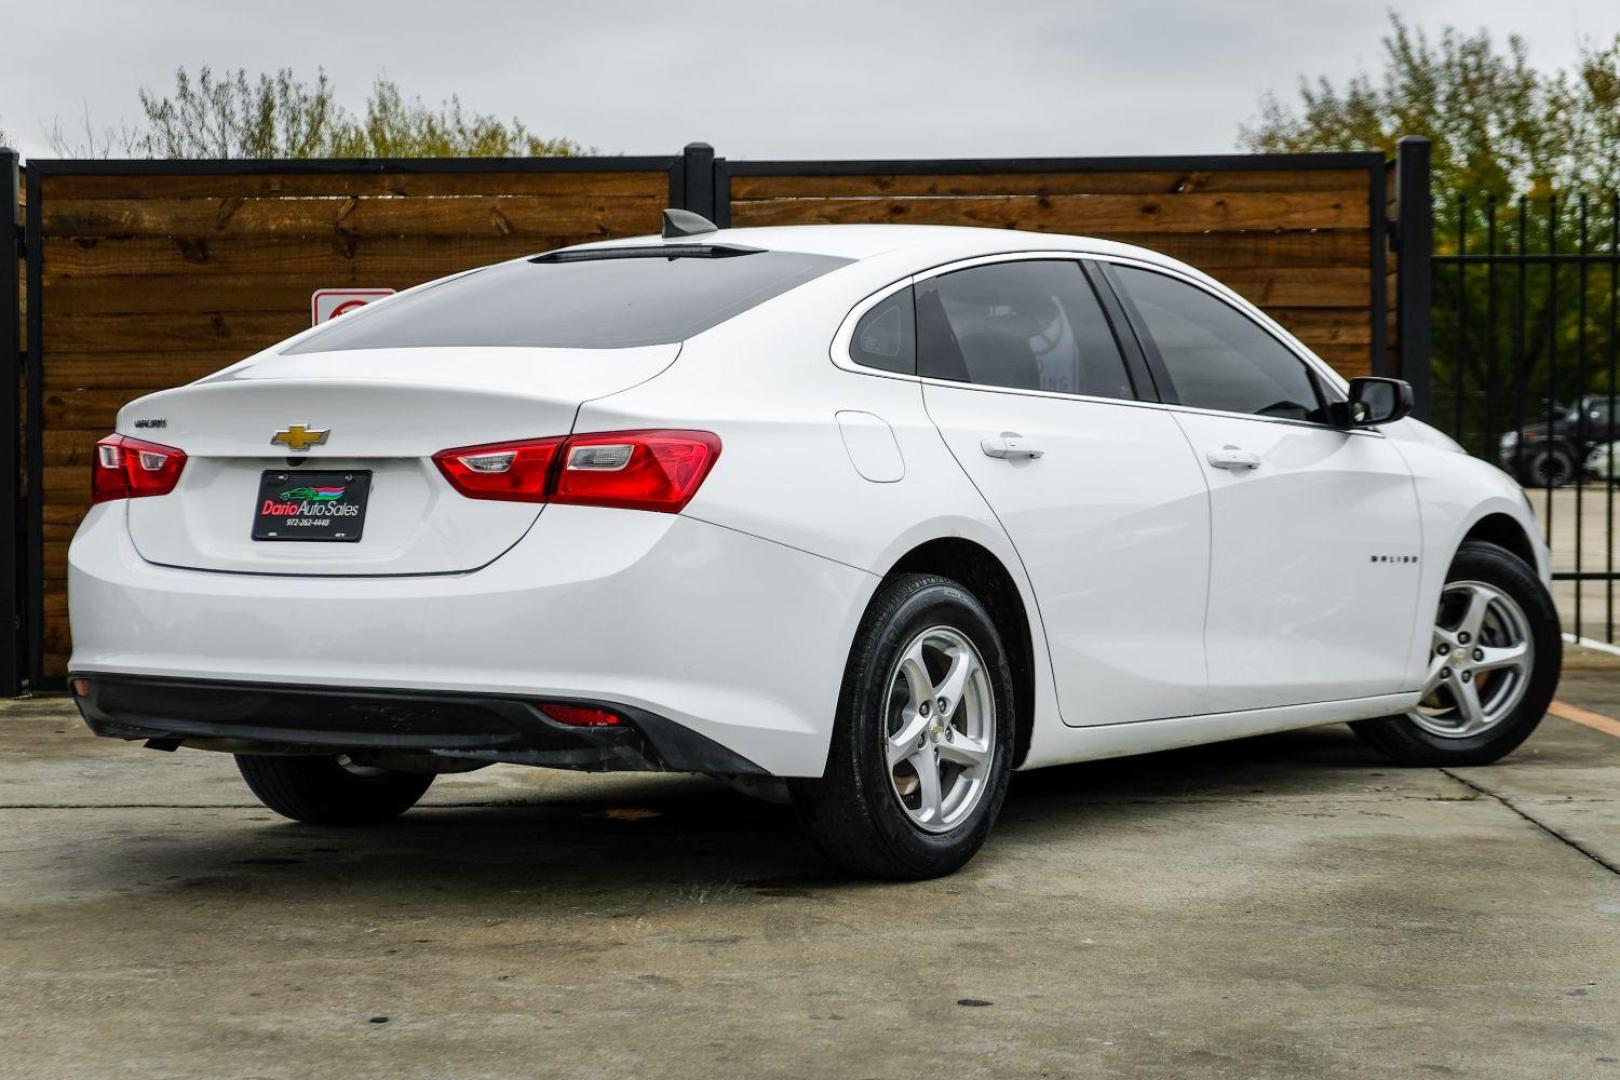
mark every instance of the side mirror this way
{"type": "Point", "coordinates": [1373, 401]}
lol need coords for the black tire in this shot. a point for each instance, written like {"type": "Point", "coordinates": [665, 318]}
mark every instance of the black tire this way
{"type": "Point", "coordinates": [1548, 467]}
{"type": "Point", "coordinates": [1409, 744]}
{"type": "Point", "coordinates": [323, 791]}
{"type": "Point", "coordinates": [852, 813]}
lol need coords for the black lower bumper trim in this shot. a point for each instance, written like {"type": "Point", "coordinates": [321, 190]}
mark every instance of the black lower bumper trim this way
{"type": "Point", "coordinates": [332, 719]}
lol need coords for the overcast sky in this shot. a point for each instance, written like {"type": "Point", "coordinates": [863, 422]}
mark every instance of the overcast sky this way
{"type": "Point", "coordinates": [758, 78]}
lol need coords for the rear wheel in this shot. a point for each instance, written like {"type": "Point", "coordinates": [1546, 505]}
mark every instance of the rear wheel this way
{"type": "Point", "coordinates": [922, 745]}
{"type": "Point", "coordinates": [1494, 658]}
{"type": "Point", "coordinates": [331, 790]}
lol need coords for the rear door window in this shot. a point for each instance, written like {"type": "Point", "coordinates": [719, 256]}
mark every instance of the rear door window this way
{"type": "Point", "coordinates": [1028, 325]}
{"type": "Point", "coordinates": [585, 301]}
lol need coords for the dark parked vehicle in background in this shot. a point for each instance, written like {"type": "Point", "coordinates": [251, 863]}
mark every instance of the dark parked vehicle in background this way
{"type": "Point", "coordinates": [1546, 455]}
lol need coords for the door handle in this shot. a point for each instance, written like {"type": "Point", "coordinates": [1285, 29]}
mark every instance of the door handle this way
{"type": "Point", "coordinates": [1232, 457]}
{"type": "Point", "coordinates": [1009, 446]}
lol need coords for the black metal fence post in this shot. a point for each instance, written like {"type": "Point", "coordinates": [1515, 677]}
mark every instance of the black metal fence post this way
{"type": "Point", "coordinates": [722, 193]}
{"type": "Point", "coordinates": [11, 577]}
{"type": "Point", "coordinates": [33, 510]}
{"type": "Point", "coordinates": [697, 163]}
{"type": "Point", "coordinates": [1414, 241]}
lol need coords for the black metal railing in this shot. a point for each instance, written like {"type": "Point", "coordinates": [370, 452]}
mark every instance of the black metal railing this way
{"type": "Point", "coordinates": [1525, 346]}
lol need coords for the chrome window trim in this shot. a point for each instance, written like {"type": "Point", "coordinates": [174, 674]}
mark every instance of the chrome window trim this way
{"type": "Point", "coordinates": [840, 355]}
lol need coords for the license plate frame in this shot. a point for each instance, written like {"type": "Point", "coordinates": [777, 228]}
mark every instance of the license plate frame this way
{"type": "Point", "coordinates": [294, 506]}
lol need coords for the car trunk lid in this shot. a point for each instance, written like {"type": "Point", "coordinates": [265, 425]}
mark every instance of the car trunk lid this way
{"type": "Point", "coordinates": [384, 413]}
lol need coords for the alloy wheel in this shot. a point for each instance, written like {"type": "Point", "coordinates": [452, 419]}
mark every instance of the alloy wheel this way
{"type": "Point", "coordinates": [1480, 661]}
{"type": "Point", "coordinates": [940, 731]}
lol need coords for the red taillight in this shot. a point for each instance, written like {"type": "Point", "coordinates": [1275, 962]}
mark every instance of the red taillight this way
{"type": "Point", "coordinates": [127, 468]}
{"type": "Point", "coordinates": [580, 715]}
{"type": "Point", "coordinates": [510, 472]}
{"type": "Point", "coordinates": [633, 470]}
{"type": "Point", "coordinates": [636, 470]}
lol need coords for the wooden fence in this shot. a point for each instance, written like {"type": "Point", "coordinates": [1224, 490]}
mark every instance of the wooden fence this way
{"type": "Point", "coordinates": [1301, 236]}
{"type": "Point", "coordinates": [144, 275]}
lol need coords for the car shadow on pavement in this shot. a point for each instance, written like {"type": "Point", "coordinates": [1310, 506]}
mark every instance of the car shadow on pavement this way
{"type": "Point", "coordinates": [685, 841]}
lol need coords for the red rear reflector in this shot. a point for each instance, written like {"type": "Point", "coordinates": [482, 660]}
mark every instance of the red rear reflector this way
{"type": "Point", "coordinates": [580, 715]}
{"type": "Point", "coordinates": [657, 470]}
{"type": "Point", "coordinates": [129, 468]}
{"type": "Point", "coordinates": [510, 472]}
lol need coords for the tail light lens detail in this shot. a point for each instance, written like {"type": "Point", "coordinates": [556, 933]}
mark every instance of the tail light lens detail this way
{"type": "Point", "coordinates": [508, 472]}
{"type": "Point", "coordinates": [658, 470]}
{"type": "Point", "coordinates": [129, 468]}
{"type": "Point", "coordinates": [636, 470]}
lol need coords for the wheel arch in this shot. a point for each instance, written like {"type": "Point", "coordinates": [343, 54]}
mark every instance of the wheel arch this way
{"type": "Point", "coordinates": [1504, 531]}
{"type": "Point", "coordinates": [982, 573]}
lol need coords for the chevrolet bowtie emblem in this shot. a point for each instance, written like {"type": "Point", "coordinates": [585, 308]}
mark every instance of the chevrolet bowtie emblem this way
{"type": "Point", "coordinates": [299, 437]}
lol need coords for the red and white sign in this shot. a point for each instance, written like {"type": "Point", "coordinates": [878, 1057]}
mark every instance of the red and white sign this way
{"type": "Point", "coordinates": [327, 304]}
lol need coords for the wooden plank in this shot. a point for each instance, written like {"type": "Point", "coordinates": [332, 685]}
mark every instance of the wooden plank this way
{"type": "Point", "coordinates": [1347, 360]}
{"type": "Point", "coordinates": [746, 188]}
{"type": "Point", "coordinates": [69, 485]}
{"type": "Point", "coordinates": [1326, 326]}
{"type": "Point", "coordinates": [68, 447]}
{"type": "Point", "coordinates": [1077, 213]}
{"type": "Point", "coordinates": [330, 262]}
{"type": "Point", "coordinates": [67, 514]}
{"type": "Point", "coordinates": [71, 513]}
{"type": "Point", "coordinates": [650, 184]}
{"type": "Point", "coordinates": [381, 261]}
{"type": "Point", "coordinates": [85, 410]}
{"type": "Point", "coordinates": [243, 332]}
{"type": "Point", "coordinates": [478, 215]}
{"type": "Point", "coordinates": [1218, 252]}
{"type": "Point", "coordinates": [177, 292]}
{"type": "Point", "coordinates": [1329, 284]}
{"type": "Point", "coordinates": [138, 372]}
{"type": "Point", "coordinates": [1300, 286]}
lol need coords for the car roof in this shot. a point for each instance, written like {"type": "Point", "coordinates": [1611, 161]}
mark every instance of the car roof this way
{"type": "Point", "coordinates": [931, 242]}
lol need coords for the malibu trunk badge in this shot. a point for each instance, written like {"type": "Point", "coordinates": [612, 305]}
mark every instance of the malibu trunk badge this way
{"type": "Point", "coordinates": [299, 437]}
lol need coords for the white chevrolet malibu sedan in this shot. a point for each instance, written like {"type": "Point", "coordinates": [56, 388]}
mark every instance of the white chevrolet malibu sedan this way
{"type": "Point", "coordinates": [868, 517]}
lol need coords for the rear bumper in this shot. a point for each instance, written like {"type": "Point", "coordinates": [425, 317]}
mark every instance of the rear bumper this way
{"type": "Point", "coordinates": [737, 639]}
{"type": "Point", "coordinates": [483, 727]}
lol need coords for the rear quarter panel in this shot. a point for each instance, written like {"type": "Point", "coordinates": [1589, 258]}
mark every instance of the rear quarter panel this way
{"type": "Point", "coordinates": [766, 384]}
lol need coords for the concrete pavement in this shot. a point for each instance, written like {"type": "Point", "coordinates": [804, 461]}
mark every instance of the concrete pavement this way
{"type": "Point", "coordinates": [1280, 907]}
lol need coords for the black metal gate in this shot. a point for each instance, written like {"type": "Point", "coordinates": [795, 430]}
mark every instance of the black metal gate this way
{"type": "Point", "coordinates": [1525, 345]}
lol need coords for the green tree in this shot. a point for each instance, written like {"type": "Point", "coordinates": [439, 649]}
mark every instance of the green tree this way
{"type": "Point", "coordinates": [230, 116]}
{"type": "Point", "coordinates": [1498, 125]}
{"type": "Point", "coordinates": [283, 116]}
{"type": "Point", "coordinates": [395, 127]}
{"type": "Point", "coordinates": [1518, 153]}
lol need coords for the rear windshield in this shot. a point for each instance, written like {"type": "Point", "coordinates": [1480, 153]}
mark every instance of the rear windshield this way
{"type": "Point", "coordinates": [605, 303]}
